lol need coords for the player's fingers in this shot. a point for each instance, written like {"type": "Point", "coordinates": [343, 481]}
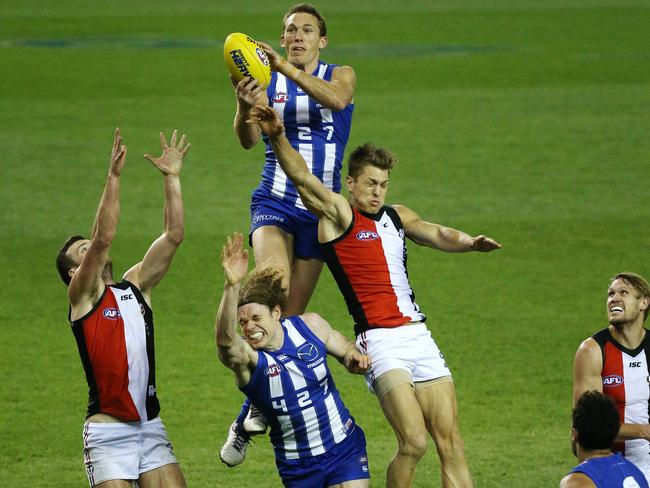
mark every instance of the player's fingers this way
{"type": "Point", "coordinates": [173, 141]}
{"type": "Point", "coordinates": [187, 148]}
{"type": "Point", "coordinates": [163, 141]}
{"type": "Point", "coordinates": [181, 143]}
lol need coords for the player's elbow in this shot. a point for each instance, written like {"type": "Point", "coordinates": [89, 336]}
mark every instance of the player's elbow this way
{"type": "Point", "coordinates": [339, 103]}
{"type": "Point", "coordinates": [175, 236]}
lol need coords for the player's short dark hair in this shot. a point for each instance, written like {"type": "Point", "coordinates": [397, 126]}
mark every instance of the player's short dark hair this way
{"type": "Point", "coordinates": [306, 8]}
{"type": "Point", "coordinates": [63, 261]}
{"type": "Point", "coordinates": [264, 285]}
{"type": "Point", "coordinates": [596, 420]}
{"type": "Point", "coordinates": [367, 154]}
{"type": "Point", "coordinates": [638, 282]}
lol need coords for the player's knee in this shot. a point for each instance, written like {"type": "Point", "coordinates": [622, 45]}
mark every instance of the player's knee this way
{"type": "Point", "coordinates": [414, 446]}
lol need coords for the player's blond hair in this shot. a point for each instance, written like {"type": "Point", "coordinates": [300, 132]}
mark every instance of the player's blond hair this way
{"type": "Point", "coordinates": [264, 285]}
{"type": "Point", "coordinates": [370, 155]}
{"type": "Point", "coordinates": [638, 282]}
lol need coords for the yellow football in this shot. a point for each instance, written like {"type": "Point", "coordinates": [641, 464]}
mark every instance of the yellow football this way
{"type": "Point", "coordinates": [244, 57]}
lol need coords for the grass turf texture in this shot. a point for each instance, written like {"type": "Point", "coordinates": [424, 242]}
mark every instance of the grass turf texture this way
{"type": "Point", "coordinates": [522, 121]}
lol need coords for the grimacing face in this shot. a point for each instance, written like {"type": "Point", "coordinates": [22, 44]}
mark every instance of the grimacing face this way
{"type": "Point", "coordinates": [302, 40]}
{"type": "Point", "coordinates": [624, 303]}
{"type": "Point", "coordinates": [259, 324]}
{"type": "Point", "coordinates": [368, 189]}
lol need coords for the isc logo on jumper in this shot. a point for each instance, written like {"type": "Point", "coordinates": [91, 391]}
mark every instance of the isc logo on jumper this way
{"type": "Point", "coordinates": [367, 235]}
{"type": "Point", "coordinates": [273, 370]}
{"type": "Point", "coordinates": [612, 380]}
{"type": "Point", "coordinates": [281, 97]}
{"type": "Point", "coordinates": [111, 313]}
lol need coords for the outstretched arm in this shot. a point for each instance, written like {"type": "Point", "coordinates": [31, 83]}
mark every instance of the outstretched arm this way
{"type": "Point", "coordinates": [148, 273]}
{"type": "Point", "coordinates": [87, 285]}
{"type": "Point", "coordinates": [233, 351]}
{"type": "Point", "coordinates": [249, 92]}
{"type": "Point", "coordinates": [337, 344]}
{"type": "Point", "coordinates": [335, 94]}
{"type": "Point", "coordinates": [440, 237]}
{"type": "Point", "coordinates": [320, 201]}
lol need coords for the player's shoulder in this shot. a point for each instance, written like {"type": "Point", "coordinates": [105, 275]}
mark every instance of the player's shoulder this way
{"type": "Point", "coordinates": [311, 318]}
{"type": "Point", "coordinates": [405, 214]}
{"type": "Point", "coordinates": [576, 480]}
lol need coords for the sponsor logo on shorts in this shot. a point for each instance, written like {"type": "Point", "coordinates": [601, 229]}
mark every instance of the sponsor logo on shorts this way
{"type": "Point", "coordinates": [266, 218]}
{"type": "Point", "coordinates": [281, 97]}
{"type": "Point", "coordinates": [612, 380]}
{"type": "Point", "coordinates": [349, 424]}
{"type": "Point", "coordinates": [308, 352]}
{"type": "Point", "coordinates": [273, 370]}
{"type": "Point", "coordinates": [367, 235]}
{"type": "Point", "coordinates": [111, 313]}
{"type": "Point", "coordinates": [152, 390]}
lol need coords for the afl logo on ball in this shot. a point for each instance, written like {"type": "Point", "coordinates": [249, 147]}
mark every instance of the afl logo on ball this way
{"type": "Point", "coordinates": [273, 370]}
{"type": "Point", "coordinates": [111, 313]}
{"type": "Point", "coordinates": [367, 235]}
{"type": "Point", "coordinates": [262, 55]}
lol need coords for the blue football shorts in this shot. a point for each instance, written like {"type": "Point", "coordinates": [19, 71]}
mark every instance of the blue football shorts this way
{"type": "Point", "coordinates": [347, 461]}
{"type": "Point", "coordinates": [301, 224]}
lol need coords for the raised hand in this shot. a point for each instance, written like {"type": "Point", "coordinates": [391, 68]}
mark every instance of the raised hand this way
{"type": "Point", "coordinates": [118, 154]}
{"type": "Point", "coordinates": [249, 91]}
{"type": "Point", "coordinates": [170, 161]}
{"type": "Point", "coordinates": [484, 244]}
{"type": "Point", "coordinates": [267, 119]}
{"type": "Point", "coordinates": [234, 259]}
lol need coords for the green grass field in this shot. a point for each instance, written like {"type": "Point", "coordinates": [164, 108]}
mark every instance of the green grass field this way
{"type": "Point", "coordinates": [525, 121]}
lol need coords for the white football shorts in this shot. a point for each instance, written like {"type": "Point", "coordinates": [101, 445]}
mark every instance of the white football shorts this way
{"type": "Point", "coordinates": [122, 451]}
{"type": "Point", "coordinates": [409, 347]}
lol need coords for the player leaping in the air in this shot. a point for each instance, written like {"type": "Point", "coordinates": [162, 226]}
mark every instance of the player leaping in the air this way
{"type": "Point", "coordinates": [315, 100]}
{"type": "Point", "coordinates": [363, 241]}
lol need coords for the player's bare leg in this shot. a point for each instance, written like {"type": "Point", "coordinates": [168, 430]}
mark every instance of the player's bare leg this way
{"type": "Point", "coordinates": [273, 246]}
{"type": "Point", "coordinates": [304, 277]}
{"type": "Point", "coordinates": [115, 484]}
{"type": "Point", "coordinates": [364, 483]}
{"type": "Point", "coordinates": [437, 400]}
{"type": "Point", "coordinates": [167, 476]}
{"type": "Point", "coordinates": [402, 410]}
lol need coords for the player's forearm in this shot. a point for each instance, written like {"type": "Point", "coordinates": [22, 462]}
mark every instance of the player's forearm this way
{"type": "Point", "coordinates": [324, 92]}
{"type": "Point", "coordinates": [452, 240]}
{"type": "Point", "coordinates": [174, 216]}
{"type": "Point", "coordinates": [633, 431]}
{"type": "Point", "coordinates": [289, 159]}
{"type": "Point", "coordinates": [108, 212]}
{"type": "Point", "coordinates": [248, 134]}
{"type": "Point", "coordinates": [440, 237]}
{"type": "Point", "coordinates": [226, 334]}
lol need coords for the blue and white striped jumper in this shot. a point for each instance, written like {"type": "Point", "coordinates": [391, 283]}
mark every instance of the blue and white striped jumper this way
{"type": "Point", "coordinates": [318, 133]}
{"type": "Point", "coordinates": [295, 390]}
